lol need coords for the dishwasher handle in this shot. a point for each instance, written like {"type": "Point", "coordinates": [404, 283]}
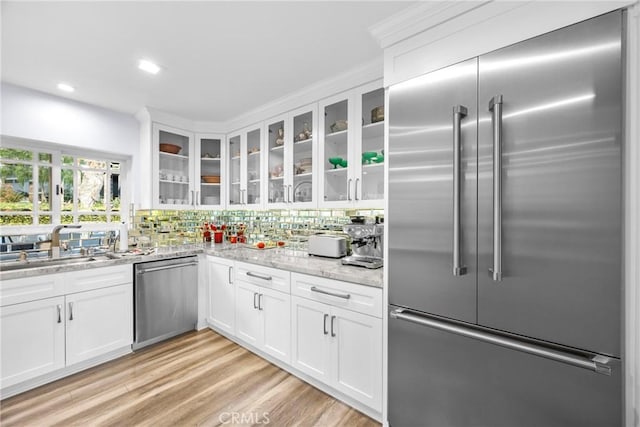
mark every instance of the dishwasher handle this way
{"type": "Point", "coordinates": [595, 363]}
{"type": "Point", "coordinates": [166, 267]}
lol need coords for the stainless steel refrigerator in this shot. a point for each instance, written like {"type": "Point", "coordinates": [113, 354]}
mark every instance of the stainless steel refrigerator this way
{"type": "Point", "coordinates": [505, 236]}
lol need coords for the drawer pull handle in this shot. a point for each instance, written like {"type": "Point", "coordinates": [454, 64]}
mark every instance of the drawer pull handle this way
{"type": "Point", "coordinates": [333, 294]}
{"type": "Point", "coordinates": [259, 276]}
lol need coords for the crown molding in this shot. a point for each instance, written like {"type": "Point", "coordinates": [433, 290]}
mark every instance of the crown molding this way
{"type": "Point", "coordinates": [418, 18]}
{"type": "Point", "coordinates": [358, 76]}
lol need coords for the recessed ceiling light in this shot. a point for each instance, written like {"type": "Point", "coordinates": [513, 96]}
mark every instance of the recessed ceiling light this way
{"type": "Point", "coordinates": [148, 66]}
{"type": "Point", "coordinates": [65, 87]}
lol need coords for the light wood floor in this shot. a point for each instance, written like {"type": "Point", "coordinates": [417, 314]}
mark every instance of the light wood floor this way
{"type": "Point", "coordinates": [200, 378]}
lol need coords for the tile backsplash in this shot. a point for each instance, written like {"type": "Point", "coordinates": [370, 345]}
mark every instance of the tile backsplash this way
{"type": "Point", "coordinates": [161, 228]}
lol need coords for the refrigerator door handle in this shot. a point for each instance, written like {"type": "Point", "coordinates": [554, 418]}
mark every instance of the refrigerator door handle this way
{"type": "Point", "coordinates": [595, 362]}
{"type": "Point", "coordinates": [459, 112]}
{"type": "Point", "coordinates": [495, 106]}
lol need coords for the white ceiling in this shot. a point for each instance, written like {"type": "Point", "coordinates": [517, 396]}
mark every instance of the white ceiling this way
{"type": "Point", "coordinates": [220, 58]}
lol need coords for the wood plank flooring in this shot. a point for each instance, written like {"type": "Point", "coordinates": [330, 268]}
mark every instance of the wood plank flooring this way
{"type": "Point", "coordinates": [200, 378]}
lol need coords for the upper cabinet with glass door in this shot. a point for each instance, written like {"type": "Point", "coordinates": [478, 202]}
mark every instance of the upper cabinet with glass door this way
{"type": "Point", "coordinates": [291, 153]}
{"type": "Point", "coordinates": [245, 168]}
{"type": "Point", "coordinates": [210, 171]}
{"type": "Point", "coordinates": [351, 148]}
{"type": "Point", "coordinates": [173, 180]}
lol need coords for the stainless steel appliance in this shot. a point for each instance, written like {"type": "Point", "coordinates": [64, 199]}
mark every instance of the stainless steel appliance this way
{"type": "Point", "coordinates": [366, 245]}
{"type": "Point", "coordinates": [505, 236]}
{"type": "Point", "coordinates": [166, 294]}
{"type": "Point", "coordinates": [326, 245]}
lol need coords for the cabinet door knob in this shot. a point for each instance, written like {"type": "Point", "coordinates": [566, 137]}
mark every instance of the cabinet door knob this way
{"type": "Point", "coordinates": [255, 305]}
{"type": "Point", "coordinates": [59, 307]}
{"type": "Point", "coordinates": [70, 310]}
{"type": "Point", "coordinates": [260, 302]}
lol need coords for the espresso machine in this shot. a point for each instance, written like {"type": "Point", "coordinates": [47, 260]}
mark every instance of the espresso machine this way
{"type": "Point", "coordinates": [366, 244]}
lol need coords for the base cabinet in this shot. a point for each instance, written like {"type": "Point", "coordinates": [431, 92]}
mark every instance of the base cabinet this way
{"type": "Point", "coordinates": [33, 341]}
{"type": "Point", "coordinates": [221, 308]}
{"type": "Point", "coordinates": [339, 347]}
{"type": "Point", "coordinates": [90, 316]}
{"type": "Point", "coordinates": [262, 319]}
{"type": "Point", "coordinates": [98, 322]}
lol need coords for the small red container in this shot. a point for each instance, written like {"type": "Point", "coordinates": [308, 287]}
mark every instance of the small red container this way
{"type": "Point", "coordinates": [217, 236]}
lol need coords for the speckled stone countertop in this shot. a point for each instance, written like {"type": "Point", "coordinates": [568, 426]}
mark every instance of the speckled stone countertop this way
{"type": "Point", "coordinates": [285, 259]}
{"type": "Point", "coordinates": [96, 261]}
{"type": "Point", "coordinates": [300, 262]}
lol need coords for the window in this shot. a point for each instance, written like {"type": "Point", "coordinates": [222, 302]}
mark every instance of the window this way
{"type": "Point", "coordinates": [45, 186]}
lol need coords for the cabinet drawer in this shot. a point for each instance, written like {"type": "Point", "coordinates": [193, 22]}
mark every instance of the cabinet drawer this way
{"type": "Point", "coordinates": [16, 291]}
{"type": "Point", "coordinates": [96, 278]}
{"type": "Point", "coordinates": [360, 298]}
{"type": "Point", "coordinates": [264, 276]}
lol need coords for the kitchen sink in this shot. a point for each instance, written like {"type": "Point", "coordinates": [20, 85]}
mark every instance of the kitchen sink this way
{"type": "Point", "coordinates": [22, 265]}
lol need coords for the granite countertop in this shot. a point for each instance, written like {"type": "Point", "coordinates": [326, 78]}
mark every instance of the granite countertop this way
{"type": "Point", "coordinates": [286, 259]}
{"type": "Point", "coordinates": [301, 262]}
{"type": "Point", "coordinates": [96, 261]}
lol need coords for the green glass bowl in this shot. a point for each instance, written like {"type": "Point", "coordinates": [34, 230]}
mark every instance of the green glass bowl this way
{"type": "Point", "coordinates": [343, 163]}
{"type": "Point", "coordinates": [367, 156]}
{"type": "Point", "coordinates": [379, 158]}
{"type": "Point", "coordinates": [335, 161]}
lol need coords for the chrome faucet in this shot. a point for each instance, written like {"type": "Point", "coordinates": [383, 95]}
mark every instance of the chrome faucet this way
{"type": "Point", "coordinates": [54, 252]}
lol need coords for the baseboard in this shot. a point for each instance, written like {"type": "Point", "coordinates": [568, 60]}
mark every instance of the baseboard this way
{"type": "Point", "coordinates": [304, 377]}
{"type": "Point", "coordinates": [61, 373]}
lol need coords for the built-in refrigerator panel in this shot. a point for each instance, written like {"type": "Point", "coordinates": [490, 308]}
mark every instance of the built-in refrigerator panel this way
{"type": "Point", "coordinates": [561, 139]}
{"type": "Point", "coordinates": [428, 116]}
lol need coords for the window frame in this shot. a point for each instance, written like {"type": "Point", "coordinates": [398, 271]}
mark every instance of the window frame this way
{"type": "Point", "coordinates": [57, 151]}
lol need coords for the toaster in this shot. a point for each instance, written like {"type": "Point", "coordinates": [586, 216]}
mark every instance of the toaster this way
{"type": "Point", "coordinates": [327, 246]}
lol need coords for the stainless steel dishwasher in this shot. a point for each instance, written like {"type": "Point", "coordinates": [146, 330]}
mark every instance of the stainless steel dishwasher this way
{"type": "Point", "coordinates": [166, 299]}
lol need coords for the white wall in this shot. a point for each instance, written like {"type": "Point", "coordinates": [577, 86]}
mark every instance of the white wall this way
{"type": "Point", "coordinates": [38, 116]}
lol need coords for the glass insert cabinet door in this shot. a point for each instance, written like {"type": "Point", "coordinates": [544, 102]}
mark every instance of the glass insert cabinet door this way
{"type": "Point", "coordinates": [254, 168]}
{"type": "Point", "coordinates": [211, 171]}
{"type": "Point", "coordinates": [174, 167]}
{"type": "Point", "coordinates": [245, 168]}
{"type": "Point", "coordinates": [278, 162]}
{"type": "Point", "coordinates": [235, 169]}
{"type": "Point", "coordinates": [372, 148]}
{"type": "Point", "coordinates": [335, 151]}
{"type": "Point", "coordinates": [303, 155]}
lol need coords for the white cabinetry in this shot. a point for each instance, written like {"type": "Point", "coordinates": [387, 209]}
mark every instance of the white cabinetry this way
{"type": "Point", "coordinates": [32, 339]}
{"type": "Point", "coordinates": [245, 168]}
{"type": "Point", "coordinates": [173, 152]}
{"type": "Point", "coordinates": [98, 322]}
{"type": "Point", "coordinates": [210, 171]}
{"type": "Point", "coordinates": [334, 341]}
{"type": "Point", "coordinates": [222, 295]}
{"type": "Point", "coordinates": [291, 153]}
{"type": "Point", "coordinates": [41, 336]}
{"type": "Point", "coordinates": [263, 309]}
{"type": "Point", "coordinates": [351, 148]}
